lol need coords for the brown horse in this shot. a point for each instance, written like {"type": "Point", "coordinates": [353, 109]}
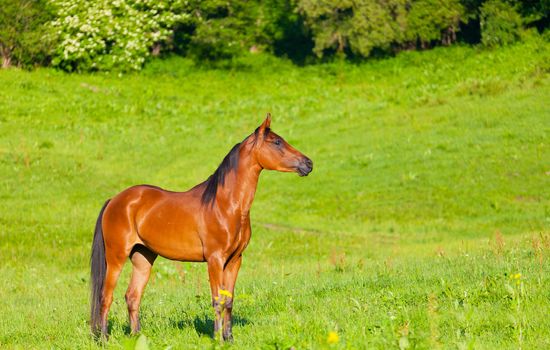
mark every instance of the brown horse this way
{"type": "Point", "coordinates": [209, 223]}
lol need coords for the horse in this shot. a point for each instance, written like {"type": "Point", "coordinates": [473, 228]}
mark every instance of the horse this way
{"type": "Point", "coordinates": [208, 223]}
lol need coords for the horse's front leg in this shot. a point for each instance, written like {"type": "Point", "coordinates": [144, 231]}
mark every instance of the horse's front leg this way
{"type": "Point", "coordinates": [215, 274]}
{"type": "Point", "coordinates": [229, 279]}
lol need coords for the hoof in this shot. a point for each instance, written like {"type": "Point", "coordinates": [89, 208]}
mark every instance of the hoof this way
{"type": "Point", "coordinates": [228, 337]}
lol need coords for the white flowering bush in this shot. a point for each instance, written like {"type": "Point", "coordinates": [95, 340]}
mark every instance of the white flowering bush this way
{"type": "Point", "coordinates": [112, 34]}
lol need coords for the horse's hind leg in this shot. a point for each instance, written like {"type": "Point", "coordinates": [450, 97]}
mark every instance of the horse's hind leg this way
{"type": "Point", "coordinates": [142, 261]}
{"type": "Point", "coordinates": [114, 267]}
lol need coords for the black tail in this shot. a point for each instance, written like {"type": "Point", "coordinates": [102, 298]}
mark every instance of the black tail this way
{"type": "Point", "coordinates": [97, 275]}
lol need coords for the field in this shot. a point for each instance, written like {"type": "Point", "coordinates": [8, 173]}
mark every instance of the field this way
{"type": "Point", "coordinates": [425, 222]}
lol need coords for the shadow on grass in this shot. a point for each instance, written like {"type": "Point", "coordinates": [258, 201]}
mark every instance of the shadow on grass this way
{"type": "Point", "coordinates": [204, 325]}
{"type": "Point", "coordinates": [114, 324]}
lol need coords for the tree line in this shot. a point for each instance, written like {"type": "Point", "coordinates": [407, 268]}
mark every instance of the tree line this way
{"type": "Point", "coordinates": [82, 35]}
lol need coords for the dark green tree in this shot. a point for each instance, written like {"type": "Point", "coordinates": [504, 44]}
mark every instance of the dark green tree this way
{"type": "Point", "coordinates": [223, 29]}
{"type": "Point", "coordinates": [433, 21]}
{"type": "Point", "coordinates": [23, 34]}
{"type": "Point", "coordinates": [501, 24]}
{"type": "Point", "coordinates": [350, 26]}
{"type": "Point", "coordinates": [360, 26]}
{"type": "Point", "coordinates": [285, 32]}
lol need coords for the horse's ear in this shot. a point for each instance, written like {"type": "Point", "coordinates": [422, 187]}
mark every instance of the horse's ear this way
{"type": "Point", "coordinates": [264, 127]}
{"type": "Point", "coordinates": [267, 122]}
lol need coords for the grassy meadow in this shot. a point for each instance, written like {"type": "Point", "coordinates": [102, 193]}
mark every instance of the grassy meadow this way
{"type": "Point", "coordinates": [425, 223]}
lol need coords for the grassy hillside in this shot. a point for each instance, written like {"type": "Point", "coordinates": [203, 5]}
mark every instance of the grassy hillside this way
{"type": "Point", "coordinates": [430, 193]}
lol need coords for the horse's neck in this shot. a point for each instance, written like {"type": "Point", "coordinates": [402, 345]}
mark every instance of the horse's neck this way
{"type": "Point", "coordinates": [239, 191]}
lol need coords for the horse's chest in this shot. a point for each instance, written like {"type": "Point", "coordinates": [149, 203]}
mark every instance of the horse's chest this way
{"type": "Point", "coordinates": [228, 238]}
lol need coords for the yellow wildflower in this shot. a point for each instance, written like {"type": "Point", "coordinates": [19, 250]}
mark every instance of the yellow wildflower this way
{"type": "Point", "coordinates": [225, 293]}
{"type": "Point", "coordinates": [332, 337]}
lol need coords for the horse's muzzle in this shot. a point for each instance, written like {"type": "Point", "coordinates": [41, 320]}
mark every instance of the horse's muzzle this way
{"type": "Point", "coordinates": [304, 167]}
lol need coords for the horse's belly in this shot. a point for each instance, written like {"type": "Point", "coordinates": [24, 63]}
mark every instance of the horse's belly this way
{"type": "Point", "coordinates": [182, 247]}
{"type": "Point", "coordinates": [171, 233]}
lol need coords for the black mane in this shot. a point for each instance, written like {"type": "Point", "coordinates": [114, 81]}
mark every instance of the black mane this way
{"type": "Point", "coordinates": [229, 163]}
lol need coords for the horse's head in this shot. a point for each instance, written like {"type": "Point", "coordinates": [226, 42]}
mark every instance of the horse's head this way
{"type": "Point", "coordinates": [274, 153]}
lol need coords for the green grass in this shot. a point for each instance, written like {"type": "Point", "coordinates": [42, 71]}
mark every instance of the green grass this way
{"type": "Point", "coordinates": [430, 190]}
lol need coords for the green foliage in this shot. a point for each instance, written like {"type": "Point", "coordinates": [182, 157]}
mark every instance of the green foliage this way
{"type": "Point", "coordinates": [533, 10]}
{"type": "Point", "coordinates": [501, 24]}
{"type": "Point", "coordinates": [358, 27]}
{"type": "Point", "coordinates": [23, 39]}
{"type": "Point", "coordinates": [225, 29]}
{"type": "Point", "coordinates": [433, 20]}
{"type": "Point", "coordinates": [428, 196]}
{"type": "Point", "coordinates": [330, 23]}
{"type": "Point", "coordinates": [221, 29]}
{"type": "Point", "coordinates": [376, 24]}
{"type": "Point", "coordinates": [86, 35]}
{"type": "Point", "coordinates": [112, 34]}
{"type": "Point", "coordinates": [285, 31]}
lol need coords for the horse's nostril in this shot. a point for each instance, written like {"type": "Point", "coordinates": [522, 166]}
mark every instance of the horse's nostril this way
{"type": "Point", "coordinates": [304, 166]}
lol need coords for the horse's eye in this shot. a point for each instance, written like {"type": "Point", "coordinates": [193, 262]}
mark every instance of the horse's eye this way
{"type": "Point", "coordinates": [277, 142]}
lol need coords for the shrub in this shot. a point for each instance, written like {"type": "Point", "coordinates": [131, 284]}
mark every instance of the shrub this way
{"type": "Point", "coordinates": [500, 23]}
{"type": "Point", "coordinates": [221, 29]}
{"type": "Point", "coordinates": [433, 20]}
{"type": "Point", "coordinates": [353, 26]}
{"type": "Point", "coordinates": [112, 34]}
{"type": "Point", "coordinates": [284, 30]}
{"type": "Point", "coordinates": [359, 27]}
{"type": "Point", "coordinates": [23, 33]}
